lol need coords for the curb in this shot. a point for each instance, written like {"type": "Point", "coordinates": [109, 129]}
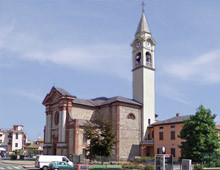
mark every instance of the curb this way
{"type": "Point", "coordinates": [28, 167]}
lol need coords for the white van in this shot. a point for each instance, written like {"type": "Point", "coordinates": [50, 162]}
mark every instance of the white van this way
{"type": "Point", "coordinates": [43, 161]}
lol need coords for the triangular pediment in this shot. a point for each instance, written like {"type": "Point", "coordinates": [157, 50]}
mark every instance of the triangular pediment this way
{"type": "Point", "coordinates": [55, 95]}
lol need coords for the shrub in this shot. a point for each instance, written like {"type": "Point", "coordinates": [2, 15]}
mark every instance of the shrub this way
{"type": "Point", "coordinates": [21, 157]}
{"type": "Point", "coordinates": [149, 167]}
{"type": "Point", "coordinates": [211, 159]}
{"type": "Point", "coordinates": [197, 167]}
{"type": "Point", "coordinates": [144, 160]}
{"type": "Point", "coordinates": [13, 157]}
{"type": "Point", "coordinates": [131, 167]}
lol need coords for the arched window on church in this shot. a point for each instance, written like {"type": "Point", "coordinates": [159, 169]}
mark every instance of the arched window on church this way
{"type": "Point", "coordinates": [131, 116]}
{"type": "Point", "coordinates": [56, 118]}
{"type": "Point", "coordinates": [138, 58]}
{"type": "Point", "coordinates": [148, 59]}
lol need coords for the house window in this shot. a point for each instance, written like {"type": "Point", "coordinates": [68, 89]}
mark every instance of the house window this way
{"type": "Point", "coordinates": [148, 121]}
{"type": "Point", "coordinates": [173, 152]}
{"type": "Point", "coordinates": [84, 151]}
{"type": "Point", "coordinates": [172, 135]}
{"type": "Point", "coordinates": [158, 150]}
{"type": "Point", "coordinates": [16, 135]}
{"type": "Point", "coordinates": [84, 138]}
{"type": "Point", "coordinates": [161, 127]}
{"type": "Point", "coordinates": [160, 135]}
{"type": "Point", "coordinates": [56, 118]}
{"type": "Point", "coordinates": [16, 145]}
{"type": "Point", "coordinates": [0, 135]}
{"type": "Point", "coordinates": [148, 151]}
{"type": "Point", "coordinates": [0, 141]}
{"type": "Point", "coordinates": [172, 126]}
{"type": "Point", "coordinates": [152, 134]}
{"type": "Point", "coordinates": [131, 116]}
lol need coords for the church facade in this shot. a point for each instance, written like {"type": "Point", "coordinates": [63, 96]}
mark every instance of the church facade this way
{"type": "Point", "coordinates": [66, 114]}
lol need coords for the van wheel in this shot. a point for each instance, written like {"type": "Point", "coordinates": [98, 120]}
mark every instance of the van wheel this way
{"type": "Point", "coordinates": [45, 168]}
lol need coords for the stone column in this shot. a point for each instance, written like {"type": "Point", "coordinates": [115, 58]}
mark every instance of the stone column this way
{"type": "Point", "coordinates": [48, 128]}
{"type": "Point", "coordinates": [60, 128]}
{"type": "Point", "coordinates": [62, 125]}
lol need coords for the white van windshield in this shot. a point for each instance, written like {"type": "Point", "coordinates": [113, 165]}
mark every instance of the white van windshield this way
{"type": "Point", "coordinates": [65, 159]}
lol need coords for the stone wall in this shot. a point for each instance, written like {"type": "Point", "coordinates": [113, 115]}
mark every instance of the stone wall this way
{"type": "Point", "coordinates": [81, 112]}
{"type": "Point", "coordinates": [129, 132]}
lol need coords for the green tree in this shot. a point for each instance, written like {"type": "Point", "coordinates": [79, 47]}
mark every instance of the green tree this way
{"type": "Point", "coordinates": [101, 138]}
{"type": "Point", "coordinates": [199, 135]}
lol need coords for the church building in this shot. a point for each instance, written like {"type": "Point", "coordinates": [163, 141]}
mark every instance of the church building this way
{"type": "Point", "coordinates": [67, 114]}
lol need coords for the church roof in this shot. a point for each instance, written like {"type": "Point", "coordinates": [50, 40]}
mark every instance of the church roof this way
{"type": "Point", "coordinates": [83, 102]}
{"type": "Point", "coordinates": [143, 26]}
{"type": "Point", "coordinates": [100, 101]}
{"type": "Point", "coordinates": [121, 99]}
{"type": "Point", "coordinates": [63, 92]}
{"type": "Point", "coordinates": [176, 119]}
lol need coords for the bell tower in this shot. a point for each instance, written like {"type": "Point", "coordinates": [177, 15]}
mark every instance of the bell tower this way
{"type": "Point", "coordinates": [143, 72]}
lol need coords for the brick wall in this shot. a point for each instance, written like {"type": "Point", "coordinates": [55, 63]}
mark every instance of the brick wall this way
{"type": "Point", "coordinates": [167, 142]}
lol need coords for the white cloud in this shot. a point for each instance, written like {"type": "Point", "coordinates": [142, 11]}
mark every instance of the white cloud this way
{"type": "Point", "coordinates": [33, 95]}
{"type": "Point", "coordinates": [202, 69]}
{"type": "Point", "coordinates": [171, 92]}
{"type": "Point", "coordinates": [101, 57]}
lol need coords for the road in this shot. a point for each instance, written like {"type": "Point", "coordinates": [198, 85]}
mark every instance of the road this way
{"type": "Point", "coordinates": [6, 166]}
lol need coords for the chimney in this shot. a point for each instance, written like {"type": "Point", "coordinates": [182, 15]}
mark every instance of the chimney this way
{"type": "Point", "coordinates": [177, 115]}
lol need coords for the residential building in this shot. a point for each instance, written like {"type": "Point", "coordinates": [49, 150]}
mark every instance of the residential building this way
{"type": "Point", "coordinates": [165, 134]}
{"type": "Point", "coordinates": [34, 148]}
{"type": "Point", "coordinates": [12, 139]}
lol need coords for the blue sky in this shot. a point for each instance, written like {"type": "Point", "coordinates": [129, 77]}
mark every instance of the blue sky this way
{"type": "Point", "coordinates": [83, 46]}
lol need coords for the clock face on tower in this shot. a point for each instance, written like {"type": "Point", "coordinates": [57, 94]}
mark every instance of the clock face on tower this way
{"type": "Point", "coordinates": [148, 44]}
{"type": "Point", "coordinates": [138, 44]}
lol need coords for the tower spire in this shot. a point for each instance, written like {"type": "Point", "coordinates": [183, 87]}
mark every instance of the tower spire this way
{"type": "Point", "coordinates": [143, 26]}
{"type": "Point", "coordinates": [143, 4]}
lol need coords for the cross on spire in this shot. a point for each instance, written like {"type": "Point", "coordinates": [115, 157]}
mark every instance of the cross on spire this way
{"type": "Point", "coordinates": [143, 4]}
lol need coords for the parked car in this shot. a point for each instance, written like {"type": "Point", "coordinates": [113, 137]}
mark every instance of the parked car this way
{"type": "Point", "coordinates": [81, 167]}
{"type": "Point", "coordinates": [57, 165]}
{"type": "Point", "coordinates": [43, 161]}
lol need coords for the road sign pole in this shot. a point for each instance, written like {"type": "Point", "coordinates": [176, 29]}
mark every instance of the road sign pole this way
{"type": "Point", "coordinates": [163, 162]}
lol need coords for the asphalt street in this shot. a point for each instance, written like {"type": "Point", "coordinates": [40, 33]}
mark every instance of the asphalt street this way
{"type": "Point", "coordinates": [6, 166]}
{"type": "Point", "coordinates": [6, 163]}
